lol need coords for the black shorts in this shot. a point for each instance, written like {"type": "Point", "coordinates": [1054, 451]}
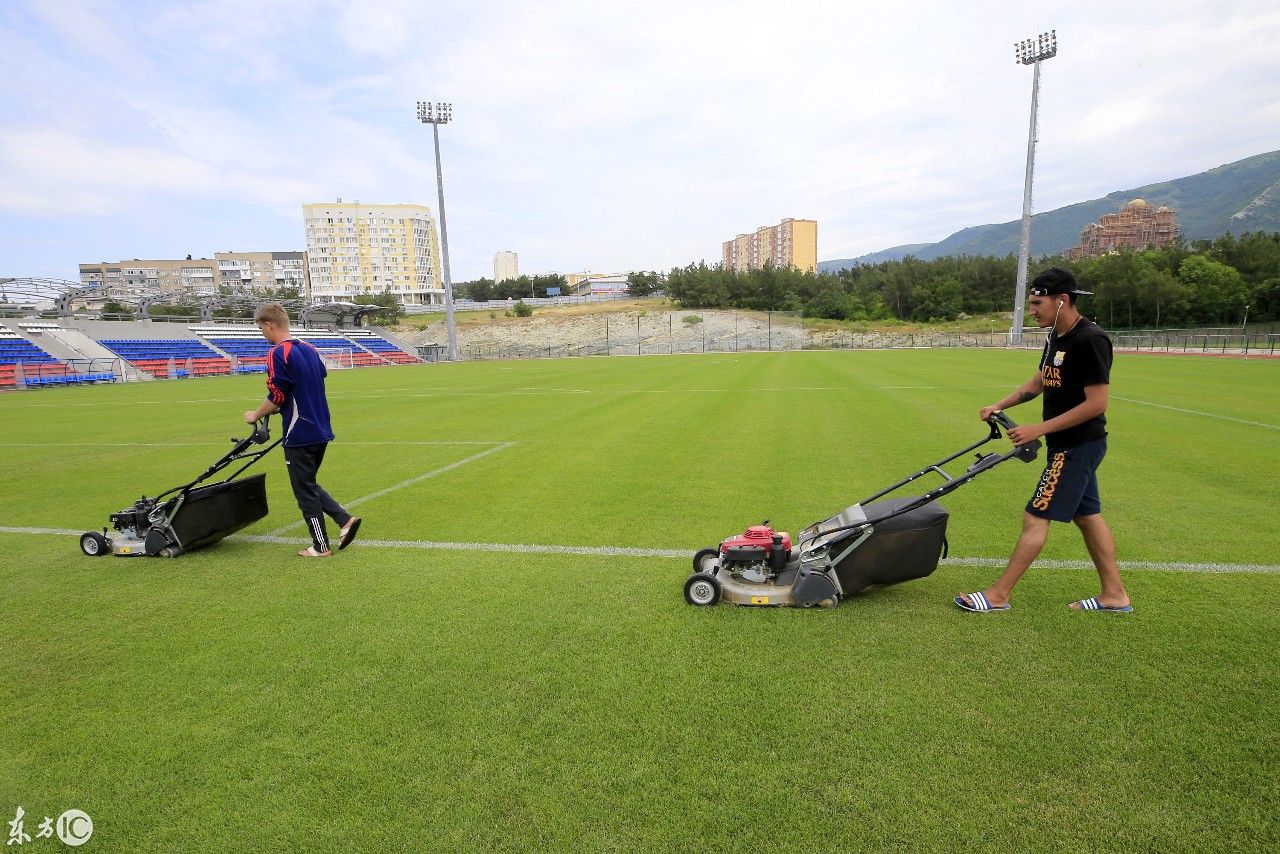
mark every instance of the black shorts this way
{"type": "Point", "coordinates": [1069, 485]}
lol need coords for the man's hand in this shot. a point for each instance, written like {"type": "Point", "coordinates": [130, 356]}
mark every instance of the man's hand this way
{"type": "Point", "coordinates": [1025, 433]}
{"type": "Point", "coordinates": [985, 412]}
{"type": "Point", "coordinates": [251, 416]}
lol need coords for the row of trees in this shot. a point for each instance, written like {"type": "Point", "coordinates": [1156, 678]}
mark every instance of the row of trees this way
{"type": "Point", "coordinates": [482, 290]}
{"type": "Point", "coordinates": [640, 284]}
{"type": "Point", "coordinates": [1203, 283]}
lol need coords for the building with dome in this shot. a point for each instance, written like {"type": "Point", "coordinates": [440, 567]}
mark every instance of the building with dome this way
{"type": "Point", "coordinates": [1136, 226]}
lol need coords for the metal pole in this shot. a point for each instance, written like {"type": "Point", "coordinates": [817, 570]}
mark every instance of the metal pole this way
{"type": "Point", "coordinates": [444, 249]}
{"type": "Point", "coordinates": [1024, 244]}
{"type": "Point", "coordinates": [1029, 52]}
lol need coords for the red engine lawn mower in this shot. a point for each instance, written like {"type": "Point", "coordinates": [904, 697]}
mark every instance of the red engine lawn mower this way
{"type": "Point", "coordinates": [878, 541]}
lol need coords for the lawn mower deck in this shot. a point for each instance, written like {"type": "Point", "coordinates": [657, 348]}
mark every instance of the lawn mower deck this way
{"type": "Point", "coordinates": [876, 542]}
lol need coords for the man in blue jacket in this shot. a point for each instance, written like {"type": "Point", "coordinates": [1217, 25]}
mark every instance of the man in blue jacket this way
{"type": "Point", "coordinates": [295, 389]}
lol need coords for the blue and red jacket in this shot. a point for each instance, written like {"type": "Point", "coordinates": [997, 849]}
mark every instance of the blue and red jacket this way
{"type": "Point", "coordinates": [295, 383]}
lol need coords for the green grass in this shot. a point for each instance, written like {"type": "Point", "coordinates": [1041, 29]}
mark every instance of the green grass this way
{"type": "Point", "coordinates": [423, 699]}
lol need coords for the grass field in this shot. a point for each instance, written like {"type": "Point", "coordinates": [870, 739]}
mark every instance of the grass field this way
{"type": "Point", "coordinates": [411, 695]}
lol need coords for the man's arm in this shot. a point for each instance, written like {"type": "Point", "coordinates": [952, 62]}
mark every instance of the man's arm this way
{"type": "Point", "coordinates": [278, 386]}
{"type": "Point", "coordinates": [1095, 403]}
{"type": "Point", "coordinates": [264, 409]}
{"type": "Point", "coordinates": [1029, 390]}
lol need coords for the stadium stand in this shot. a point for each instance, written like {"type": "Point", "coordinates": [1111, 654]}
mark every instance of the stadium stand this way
{"type": "Point", "coordinates": [14, 349]}
{"type": "Point", "coordinates": [380, 347]}
{"type": "Point", "coordinates": [207, 349]}
{"type": "Point", "coordinates": [22, 361]}
{"type": "Point", "coordinates": [337, 348]}
{"type": "Point", "coordinates": [244, 344]}
{"type": "Point", "coordinates": [171, 358]}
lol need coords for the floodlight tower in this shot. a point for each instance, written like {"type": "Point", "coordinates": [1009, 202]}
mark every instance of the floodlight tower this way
{"type": "Point", "coordinates": [1029, 52]}
{"type": "Point", "coordinates": [435, 115]}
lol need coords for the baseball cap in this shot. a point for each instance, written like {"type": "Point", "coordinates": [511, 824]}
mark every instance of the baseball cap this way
{"type": "Point", "coordinates": [1054, 281]}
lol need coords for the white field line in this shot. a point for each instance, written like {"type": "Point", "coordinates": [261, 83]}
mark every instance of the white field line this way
{"type": "Point", "coordinates": [213, 442]}
{"type": "Point", "coordinates": [627, 551]}
{"type": "Point", "coordinates": [137, 402]}
{"type": "Point", "coordinates": [1198, 412]}
{"type": "Point", "coordinates": [402, 484]}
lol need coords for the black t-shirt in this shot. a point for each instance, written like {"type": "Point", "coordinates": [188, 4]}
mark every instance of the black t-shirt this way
{"type": "Point", "coordinates": [1070, 362]}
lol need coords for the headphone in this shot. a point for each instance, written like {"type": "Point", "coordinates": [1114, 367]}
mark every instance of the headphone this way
{"type": "Point", "coordinates": [1053, 334]}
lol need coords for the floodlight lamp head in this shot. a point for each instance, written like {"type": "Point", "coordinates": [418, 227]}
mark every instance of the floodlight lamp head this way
{"type": "Point", "coordinates": [1042, 47]}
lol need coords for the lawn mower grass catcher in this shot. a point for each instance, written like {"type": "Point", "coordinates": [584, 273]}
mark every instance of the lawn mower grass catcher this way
{"type": "Point", "coordinates": [187, 517]}
{"type": "Point", "coordinates": [873, 543]}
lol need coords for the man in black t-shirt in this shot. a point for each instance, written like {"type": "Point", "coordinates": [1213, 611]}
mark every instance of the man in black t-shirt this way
{"type": "Point", "coordinates": [1074, 373]}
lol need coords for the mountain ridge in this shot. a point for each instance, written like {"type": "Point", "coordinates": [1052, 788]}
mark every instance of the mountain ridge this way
{"type": "Point", "coordinates": [1234, 197]}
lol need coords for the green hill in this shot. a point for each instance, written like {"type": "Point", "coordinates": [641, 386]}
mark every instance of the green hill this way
{"type": "Point", "coordinates": [1238, 197]}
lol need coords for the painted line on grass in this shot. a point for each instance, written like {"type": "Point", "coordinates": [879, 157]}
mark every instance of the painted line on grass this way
{"type": "Point", "coordinates": [169, 403]}
{"type": "Point", "coordinates": [1198, 412]}
{"type": "Point", "coordinates": [627, 551]}
{"type": "Point", "coordinates": [402, 484]}
{"type": "Point", "coordinates": [397, 442]}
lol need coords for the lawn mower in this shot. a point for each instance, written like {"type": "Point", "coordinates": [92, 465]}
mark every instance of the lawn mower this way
{"type": "Point", "coordinates": [876, 542]}
{"type": "Point", "coordinates": [190, 516]}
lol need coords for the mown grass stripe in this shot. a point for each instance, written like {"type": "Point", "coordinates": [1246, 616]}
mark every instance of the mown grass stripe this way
{"type": "Point", "coordinates": [410, 482]}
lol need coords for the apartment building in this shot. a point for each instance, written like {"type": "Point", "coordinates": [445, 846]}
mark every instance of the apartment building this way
{"type": "Point", "coordinates": [363, 250]}
{"type": "Point", "coordinates": [505, 266]}
{"type": "Point", "coordinates": [790, 243]}
{"type": "Point", "coordinates": [242, 271]}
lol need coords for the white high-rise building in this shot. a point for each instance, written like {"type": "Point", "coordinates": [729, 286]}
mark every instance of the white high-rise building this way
{"type": "Point", "coordinates": [364, 250]}
{"type": "Point", "coordinates": [505, 266]}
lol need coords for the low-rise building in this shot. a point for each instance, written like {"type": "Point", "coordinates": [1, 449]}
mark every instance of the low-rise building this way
{"type": "Point", "coordinates": [242, 271]}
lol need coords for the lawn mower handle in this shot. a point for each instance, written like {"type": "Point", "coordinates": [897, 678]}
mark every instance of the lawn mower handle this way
{"type": "Point", "coordinates": [1026, 452]}
{"type": "Point", "coordinates": [239, 451]}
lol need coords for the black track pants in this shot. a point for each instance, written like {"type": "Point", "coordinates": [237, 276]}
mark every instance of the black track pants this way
{"type": "Point", "coordinates": [303, 462]}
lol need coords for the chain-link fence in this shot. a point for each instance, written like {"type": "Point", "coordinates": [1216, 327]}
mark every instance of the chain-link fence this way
{"type": "Point", "coordinates": [649, 333]}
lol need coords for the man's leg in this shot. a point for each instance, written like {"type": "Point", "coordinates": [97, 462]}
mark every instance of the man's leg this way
{"type": "Point", "coordinates": [328, 505]}
{"type": "Point", "coordinates": [348, 525]}
{"type": "Point", "coordinates": [1102, 548]}
{"type": "Point", "coordinates": [302, 462]}
{"type": "Point", "coordinates": [332, 508]}
{"type": "Point", "coordinates": [1035, 531]}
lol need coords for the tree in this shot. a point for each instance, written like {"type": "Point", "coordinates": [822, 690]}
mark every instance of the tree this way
{"type": "Point", "coordinates": [391, 307]}
{"type": "Point", "coordinates": [643, 284]}
{"type": "Point", "coordinates": [116, 308]}
{"type": "Point", "coordinates": [480, 290]}
{"type": "Point", "coordinates": [1162, 290]}
{"type": "Point", "coordinates": [1216, 291]}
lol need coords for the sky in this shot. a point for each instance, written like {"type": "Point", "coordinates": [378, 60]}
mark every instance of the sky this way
{"type": "Point", "coordinates": [600, 136]}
